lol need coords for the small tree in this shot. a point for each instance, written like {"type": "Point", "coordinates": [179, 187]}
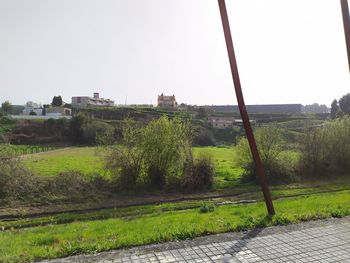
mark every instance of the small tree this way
{"type": "Point", "coordinates": [77, 127]}
{"type": "Point", "coordinates": [6, 107]}
{"type": "Point", "coordinates": [96, 132]}
{"type": "Point", "coordinates": [344, 104]}
{"type": "Point", "coordinates": [202, 113]}
{"type": "Point", "coordinates": [158, 156]}
{"type": "Point", "coordinates": [125, 160]}
{"type": "Point", "coordinates": [167, 146]}
{"type": "Point", "coordinates": [16, 182]}
{"type": "Point", "coordinates": [201, 176]}
{"type": "Point", "coordinates": [326, 151]}
{"type": "Point", "coordinates": [270, 146]}
{"type": "Point", "coordinates": [57, 101]}
{"type": "Point", "coordinates": [334, 109]}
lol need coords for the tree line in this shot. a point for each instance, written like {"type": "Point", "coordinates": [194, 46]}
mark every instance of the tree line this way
{"type": "Point", "coordinates": [341, 107]}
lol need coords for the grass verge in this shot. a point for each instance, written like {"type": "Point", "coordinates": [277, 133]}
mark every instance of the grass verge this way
{"type": "Point", "coordinates": [52, 241]}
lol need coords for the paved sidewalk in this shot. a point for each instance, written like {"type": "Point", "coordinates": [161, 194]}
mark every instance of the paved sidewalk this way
{"type": "Point", "coordinates": [320, 241]}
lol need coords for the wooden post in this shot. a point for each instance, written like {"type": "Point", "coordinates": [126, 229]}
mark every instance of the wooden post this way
{"type": "Point", "coordinates": [243, 110]}
{"type": "Point", "coordinates": [346, 21]}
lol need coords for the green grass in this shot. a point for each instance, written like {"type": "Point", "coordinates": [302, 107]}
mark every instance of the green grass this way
{"type": "Point", "coordinates": [85, 160]}
{"type": "Point", "coordinates": [227, 174]}
{"type": "Point", "coordinates": [81, 159]}
{"type": "Point", "coordinates": [6, 124]}
{"type": "Point", "coordinates": [5, 128]}
{"type": "Point", "coordinates": [52, 241]}
{"type": "Point", "coordinates": [142, 210]}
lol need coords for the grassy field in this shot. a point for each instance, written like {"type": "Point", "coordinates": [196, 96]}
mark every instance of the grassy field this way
{"type": "Point", "coordinates": [82, 159]}
{"type": "Point", "coordinates": [52, 241]}
{"type": "Point", "coordinates": [88, 161]}
{"type": "Point", "coordinates": [227, 174]}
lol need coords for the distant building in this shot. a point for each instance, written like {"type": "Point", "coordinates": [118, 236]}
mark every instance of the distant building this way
{"type": "Point", "coordinates": [221, 122]}
{"type": "Point", "coordinates": [316, 108]}
{"type": "Point", "coordinates": [226, 122]}
{"type": "Point", "coordinates": [167, 101]}
{"type": "Point", "coordinates": [265, 108]}
{"type": "Point", "coordinates": [58, 111]}
{"type": "Point", "coordinates": [32, 108]}
{"type": "Point", "coordinates": [95, 101]}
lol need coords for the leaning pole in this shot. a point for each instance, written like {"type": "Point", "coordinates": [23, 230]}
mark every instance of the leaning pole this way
{"type": "Point", "coordinates": [346, 22]}
{"type": "Point", "coordinates": [242, 108]}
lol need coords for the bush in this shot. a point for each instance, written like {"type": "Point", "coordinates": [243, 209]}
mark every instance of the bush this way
{"type": "Point", "coordinates": [326, 150]}
{"type": "Point", "coordinates": [227, 136]}
{"type": "Point", "coordinates": [19, 184]}
{"type": "Point", "coordinates": [270, 146]}
{"type": "Point", "coordinates": [77, 127]}
{"type": "Point", "coordinates": [207, 208]}
{"type": "Point", "coordinates": [156, 156]}
{"type": "Point", "coordinates": [204, 137]}
{"type": "Point", "coordinates": [85, 130]}
{"type": "Point", "coordinates": [125, 161]}
{"type": "Point", "coordinates": [16, 182]}
{"type": "Point", "coordinates": [70, 184]}
{"type": "Point", "coordinates": [98, 132]}
{"type": "Point", "coordinates": [201, 176]}
{"type": "Point", "coordinates": [167, 148]}
{"type": "Point", "coordinates": [7, 120]}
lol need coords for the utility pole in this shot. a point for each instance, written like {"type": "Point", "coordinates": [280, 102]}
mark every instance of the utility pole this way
{"type": "Point", "coordinates": [346, 21]}
{"type": "Point", "coordinates": [242, 108]}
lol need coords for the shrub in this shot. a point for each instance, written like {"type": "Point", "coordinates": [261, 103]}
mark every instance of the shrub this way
{"type": "Point", "coordinates": [7, 120]}
{"type": "Point", "coordinates": [70, 184]}
{"type": "Point", "coordinates": [204, 137]}
{"type": "Point", "coordinates": [201, 176]}
{"type": "Point", "coordinates": [19, 184]}
{"type": "Point", "coordinates": [326, 150]}
{"type": "Point", "coordinates": [270, 146]}
{"type": "Point", "coordinates": [156, 156]}
{"type": "Point", "coordinates": [97, 132]}
{"type": "Point", "coordinates": [207, 208]}
{"type": "Point", "coordinates": [16, 182]}
{"type": "Point", "coordinates": [344, 103]}
{"type": "Point", "coordinates": [86, 130]}
{"type": "Point", "coordinates": [77, 127]}
{"type": "Point", "coordinates": [228, 135]}
{"type": "Point", "coordinates": [125, 161]}
{"type": "Point", "coordinates": [167, 148]}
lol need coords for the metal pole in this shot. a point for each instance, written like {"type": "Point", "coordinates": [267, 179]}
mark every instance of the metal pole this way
{"type": "Point", "coordinates": [346, 21]}
{"type": "Point", "coordinates": [242, 108]}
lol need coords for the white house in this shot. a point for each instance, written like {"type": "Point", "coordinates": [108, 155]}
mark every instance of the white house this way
{"type": "Point", "coordinates": [32, 108]}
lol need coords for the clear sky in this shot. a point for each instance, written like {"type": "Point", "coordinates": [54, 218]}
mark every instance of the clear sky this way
{"type": "Point", "coordinates": [288, 51]}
